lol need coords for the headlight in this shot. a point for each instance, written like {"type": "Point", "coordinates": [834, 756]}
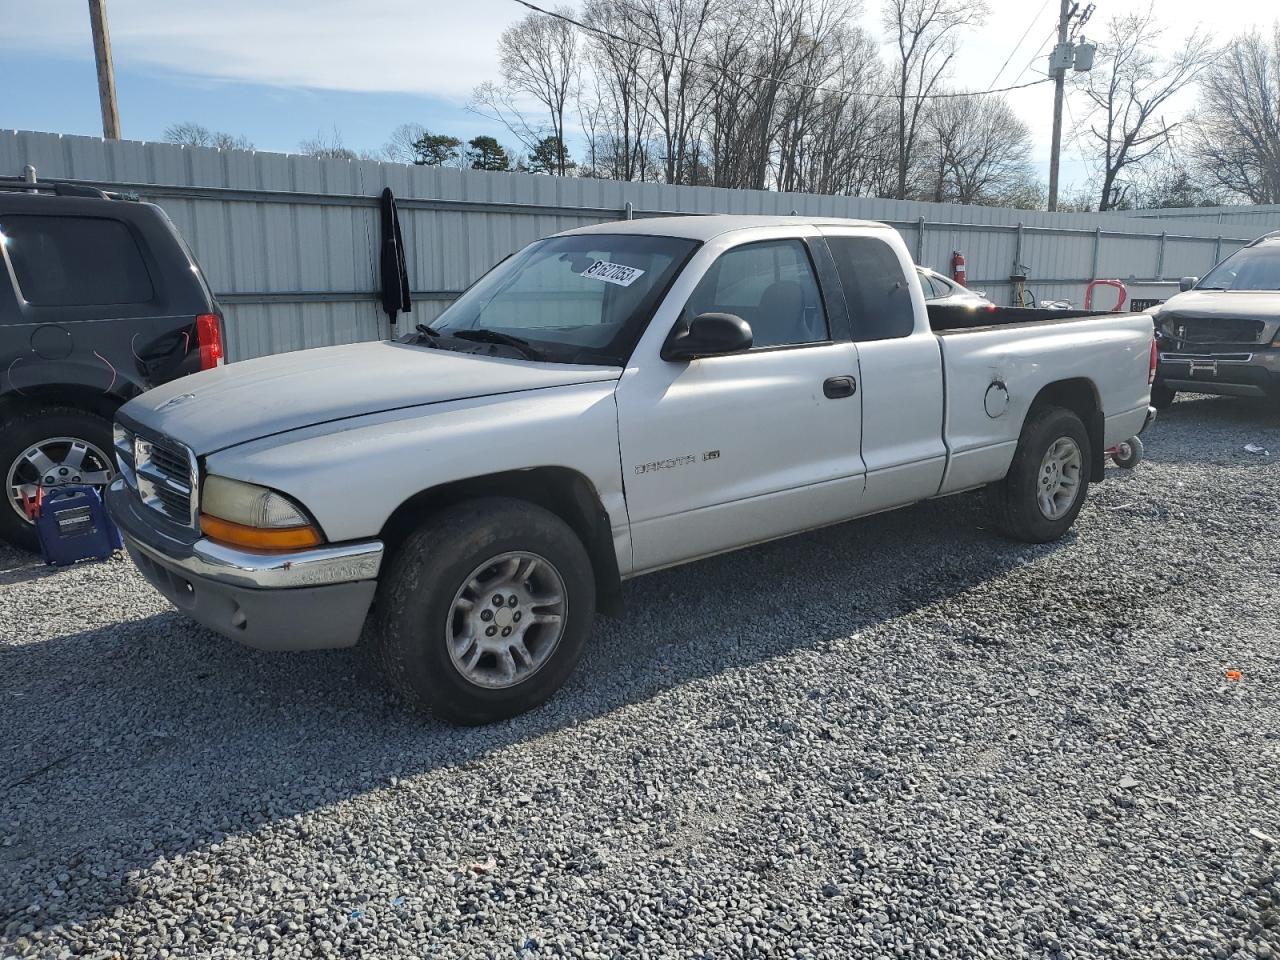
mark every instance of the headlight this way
{"type": "Point", "coordinates": [247, 515]}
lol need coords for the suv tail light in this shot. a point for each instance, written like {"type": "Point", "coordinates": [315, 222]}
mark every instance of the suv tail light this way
{"type": "Point", "coordinates": [1155, 359]}
{"type": "Point", "coordinates": [209, 335]}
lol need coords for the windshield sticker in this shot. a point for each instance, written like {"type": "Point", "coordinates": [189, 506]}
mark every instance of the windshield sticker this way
{"type": "Point", "coordinates": [617, 273]}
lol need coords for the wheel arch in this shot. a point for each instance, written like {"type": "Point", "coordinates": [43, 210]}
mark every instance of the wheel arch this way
{"type": "Point", "coordinates": [78, 396]}
{"type": "Point", "coordinates": [1080, 396]}
{"type": "Point", "coordinates": [561, 490]}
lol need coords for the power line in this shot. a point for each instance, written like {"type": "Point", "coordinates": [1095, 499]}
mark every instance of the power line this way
{"type": "Point", "coordinates": [1053, 32]}
{"type": "Point", "coordinates": [1018, 46]}
{"type": "Point", "coordinates": [756, 76]}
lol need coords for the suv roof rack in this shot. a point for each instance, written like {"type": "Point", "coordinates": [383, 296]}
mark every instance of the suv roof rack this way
{"type": "Point", "coordinates": [59, 188]}
{"type": "Point", "coordinates": [1273, 235]}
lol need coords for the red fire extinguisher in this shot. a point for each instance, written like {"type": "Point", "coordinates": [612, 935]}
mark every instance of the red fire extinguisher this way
{"type": "Point", "coordinates": [958, 268]}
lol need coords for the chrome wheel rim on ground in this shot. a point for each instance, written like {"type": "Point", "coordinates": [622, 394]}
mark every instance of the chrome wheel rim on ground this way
{"type": "Point", "coordinates": [55, 462]}
{"type": "Point", "coordinates": [1059, 478]}
{"type": "Point", "coordinates": [506, 620]}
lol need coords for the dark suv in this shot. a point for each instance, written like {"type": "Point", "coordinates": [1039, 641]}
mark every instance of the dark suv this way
{"type": "Point", "coordinates": [100, 299]}
{"type": "Point", "coordinates": [1221, 334]}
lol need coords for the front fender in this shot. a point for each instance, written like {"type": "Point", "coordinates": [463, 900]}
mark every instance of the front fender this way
{"type": "Point", "coordinates": [352, 475]}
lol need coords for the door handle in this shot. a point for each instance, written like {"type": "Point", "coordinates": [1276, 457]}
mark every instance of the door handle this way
{"type": "Point", "coordinates": [836, 387]}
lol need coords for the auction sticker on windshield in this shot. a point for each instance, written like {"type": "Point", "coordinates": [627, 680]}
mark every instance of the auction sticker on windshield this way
{"type": "Point", "coordinates": [618, 273]}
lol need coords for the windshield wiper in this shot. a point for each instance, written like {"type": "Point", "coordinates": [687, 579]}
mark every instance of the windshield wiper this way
{"type": "Point", "coordinates": [505, 339]}
{"type": "Point", "coordinates": [428, 335]}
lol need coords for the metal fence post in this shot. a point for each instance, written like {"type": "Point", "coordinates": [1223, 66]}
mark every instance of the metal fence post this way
{"type": "Point", "coordinates": [920, 240]}
{"type": "Point", "coordinates": [1217, 248]}
{"type": "Point", "coordinates": [1164, 237]}
{"type": "Point", "coordinates": [1017, 249]}
{"type": "Point", "coordinates": [1097, 251]}
{"type": "Point", "coordinates": [628, 211]}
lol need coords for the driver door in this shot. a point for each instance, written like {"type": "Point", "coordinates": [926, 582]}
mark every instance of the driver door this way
{"type": "Point", "coordinates": [724, 451]}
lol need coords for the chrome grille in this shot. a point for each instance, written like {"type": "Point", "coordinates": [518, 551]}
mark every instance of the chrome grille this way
{"type": "Point", "coordinates": [166, 478]}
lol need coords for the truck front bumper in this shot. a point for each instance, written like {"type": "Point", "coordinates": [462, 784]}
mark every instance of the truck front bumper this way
{"type": "Point", "coordinates": [1245, 371]}
{"type": "Point", "coordinates": [302, 600]}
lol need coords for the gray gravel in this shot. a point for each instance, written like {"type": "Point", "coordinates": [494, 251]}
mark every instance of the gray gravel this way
{"type": "Point", "coordinates": [902, 737]}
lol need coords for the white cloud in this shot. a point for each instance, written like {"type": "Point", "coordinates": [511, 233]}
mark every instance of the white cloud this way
{"type": "Point", "coordinates": [428, 47]}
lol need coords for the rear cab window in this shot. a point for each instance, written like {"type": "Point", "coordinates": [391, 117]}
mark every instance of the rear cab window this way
{"type": "Point", "coordinates": [875, 288]}
{"type": "Point", "coordinates": [72, 261]}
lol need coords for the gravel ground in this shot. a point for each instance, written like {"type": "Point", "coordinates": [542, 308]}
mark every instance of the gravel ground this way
{"type": "Point", "coordinates": [901, 737]}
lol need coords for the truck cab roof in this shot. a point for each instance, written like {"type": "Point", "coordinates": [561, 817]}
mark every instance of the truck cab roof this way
{"type": "Point", "coordinates": [703, 228]}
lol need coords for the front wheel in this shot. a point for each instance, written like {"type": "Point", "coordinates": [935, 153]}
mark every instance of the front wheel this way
{"type": "Point", "coordinates": [44, 449]}
{"type": "Point", "coordinates": [1041, 495]}
{"type": "Point", "coordinates": [484, 610]}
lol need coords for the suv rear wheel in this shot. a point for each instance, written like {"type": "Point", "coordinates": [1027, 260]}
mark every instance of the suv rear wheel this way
{"type": "Point", "coordinates": [47, 448]}
{"type": "Point", "coordinates": [483, 612]}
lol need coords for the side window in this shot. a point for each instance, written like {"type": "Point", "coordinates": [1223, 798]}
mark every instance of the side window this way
{"type": "Point", "coordinates": [931, 288]}
{"type": "Point", "coordinates": [771, 285]}
{"type": "Point", "coordinates": [75, 261]}
{"type": "Point", "coordinates": [875, 288]}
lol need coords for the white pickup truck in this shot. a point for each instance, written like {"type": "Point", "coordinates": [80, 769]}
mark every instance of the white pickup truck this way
{"type": "Point", "coordinates": [606, 402]}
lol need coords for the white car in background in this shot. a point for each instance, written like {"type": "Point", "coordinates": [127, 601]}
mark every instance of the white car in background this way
{"type": "Point", "coordinates": [940, 290]}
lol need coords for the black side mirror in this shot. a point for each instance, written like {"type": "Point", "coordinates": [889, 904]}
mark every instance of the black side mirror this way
{"type": "Point", "coordinates": [708, 335]}
{"type": "Point", "coordinates": [1186, 283]}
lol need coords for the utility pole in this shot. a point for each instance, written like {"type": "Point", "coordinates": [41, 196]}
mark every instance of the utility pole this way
{"type": "Point", "coordinates": [1059, 82]}
{"type": "Point", "coordinates": [106, 72]}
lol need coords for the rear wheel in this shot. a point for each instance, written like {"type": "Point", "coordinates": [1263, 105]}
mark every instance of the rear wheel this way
{"type": "Point", "coordinates": [44, 449]}
{"type": "Point", "coordinates": [1045, 488]}
{"type": "Point", "coordinates": [485, 610]}
{"type": "Point", "coordinates": [1162, 396]}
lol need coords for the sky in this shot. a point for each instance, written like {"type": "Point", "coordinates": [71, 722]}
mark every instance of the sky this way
{"type": "Point", "coordinates": [280, 71]}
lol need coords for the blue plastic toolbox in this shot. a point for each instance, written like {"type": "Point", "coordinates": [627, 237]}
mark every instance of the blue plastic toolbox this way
{"type": "Point", "coordinates": [73, 525]}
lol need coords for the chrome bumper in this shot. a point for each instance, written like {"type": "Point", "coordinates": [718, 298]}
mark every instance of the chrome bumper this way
{"type": "Point", "coordinates": [315, 567]}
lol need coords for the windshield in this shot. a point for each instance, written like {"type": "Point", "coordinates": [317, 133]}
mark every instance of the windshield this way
{"type": "Point", "coordinates": [575, 299]}
{"type": "Point", "coordinates": [1253, 268]}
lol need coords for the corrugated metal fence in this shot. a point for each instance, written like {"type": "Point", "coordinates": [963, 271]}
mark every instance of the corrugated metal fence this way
{"type": "Point", "coordinates": [290, 244]}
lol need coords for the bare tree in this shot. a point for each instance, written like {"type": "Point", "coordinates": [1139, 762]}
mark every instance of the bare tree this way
{"type": "Point", "coordinates": [613, 109]}
{"type": "Point", "coordinates": [539, 60]}
{"type": "Point", "coordinates": [976, 150]}
{"type": "Point", "coordinates": [190, 134]}
{"type": "Point", "coordinates": [1128, 87]}
{"type": "Point", "coordinates": [833, 131]}
{"type": "Point", "coordinates": [1236, 135]}
{"type": "Point", "coordinates": [399, 147]}
{"type": "Point", "coordinates": [924, 38]}
{"type": "Point", "coordinates": [329, 146]}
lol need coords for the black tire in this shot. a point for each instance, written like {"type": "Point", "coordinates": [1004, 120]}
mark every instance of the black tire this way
{"type": "Point", "coordinates": [1161, 396]}
{"type": "Point", "coordinates": [1014, 502]}
{"type": "Point", "coordinates": [22, 431]}
{"type": "Point", "coordinates": [1130, 457]}
{"type": "Point", "coordinates": [417, 589]}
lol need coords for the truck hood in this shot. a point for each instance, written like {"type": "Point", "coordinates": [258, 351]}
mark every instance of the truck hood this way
{"type": "Point", "coordinates": [1208, 304]}
{"type": "Point", "coordinates": [252, 399]}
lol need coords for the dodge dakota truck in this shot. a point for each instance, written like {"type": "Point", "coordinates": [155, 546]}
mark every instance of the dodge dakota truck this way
{"type": "Point", "coordinates": [1221, 334]}
{"type": "Point", "coordinates": [607, 402]}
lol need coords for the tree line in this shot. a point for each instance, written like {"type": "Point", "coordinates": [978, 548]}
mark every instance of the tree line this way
{"type": "Point", "coordinates": [795, 95]}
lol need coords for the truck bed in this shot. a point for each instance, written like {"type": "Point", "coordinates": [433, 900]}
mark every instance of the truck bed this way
{"type": "Point", "coordinates": [947, 317]}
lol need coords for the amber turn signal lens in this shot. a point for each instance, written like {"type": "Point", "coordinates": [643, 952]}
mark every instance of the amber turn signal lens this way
{"type": "Point", "coordinates": [258, 538]}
